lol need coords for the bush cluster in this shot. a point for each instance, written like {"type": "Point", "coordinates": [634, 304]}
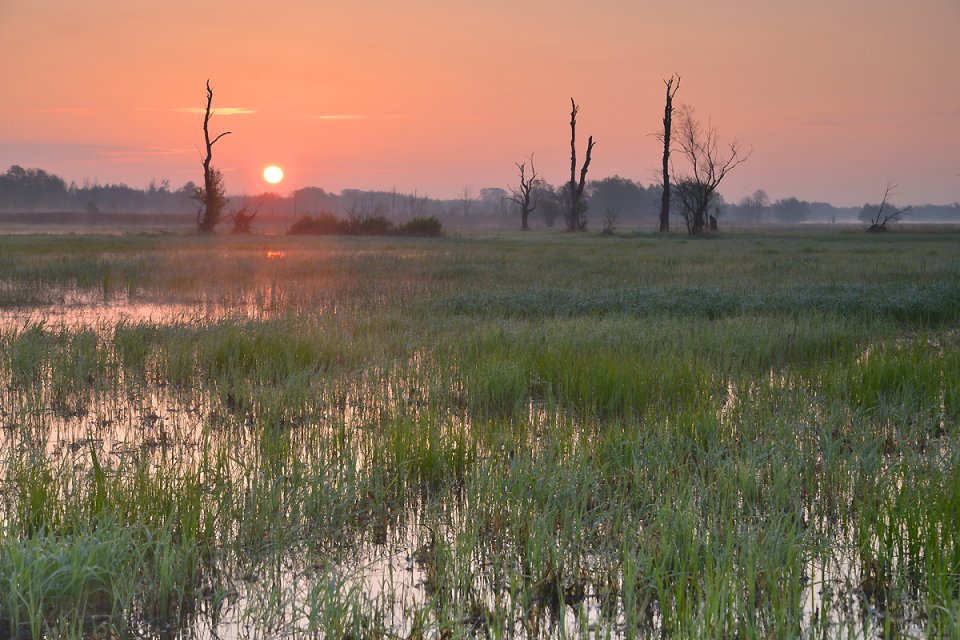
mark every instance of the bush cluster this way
{"type": "Point", "coordinates": [330, 225]}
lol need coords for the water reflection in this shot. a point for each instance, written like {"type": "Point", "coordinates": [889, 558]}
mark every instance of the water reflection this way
{"type": "Point", "coordinates": [103, 316]}
{"type": "Point", "coordinates": [380, 565]}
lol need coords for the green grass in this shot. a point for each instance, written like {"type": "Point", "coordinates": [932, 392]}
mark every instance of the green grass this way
{"type": "Point", "coordinates": [748, 436]}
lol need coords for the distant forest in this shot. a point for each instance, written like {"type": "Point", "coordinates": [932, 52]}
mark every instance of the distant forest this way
{"type": "Point", "coordinates": [613, 202]}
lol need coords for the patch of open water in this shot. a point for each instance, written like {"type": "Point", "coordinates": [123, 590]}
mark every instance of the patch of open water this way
{"type": "Point", "coordinates": [392, 568]}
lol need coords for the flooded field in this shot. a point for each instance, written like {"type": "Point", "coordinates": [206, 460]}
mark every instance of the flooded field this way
{"type": "Point", "coordinates": [559, 436]}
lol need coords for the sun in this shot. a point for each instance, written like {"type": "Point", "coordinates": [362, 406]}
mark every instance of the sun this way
{"type": "Point", "coordinates": [273, 174]}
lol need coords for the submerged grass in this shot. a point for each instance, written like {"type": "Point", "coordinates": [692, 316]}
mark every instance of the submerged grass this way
{"type": "Point", "coordinates": [747, 437]}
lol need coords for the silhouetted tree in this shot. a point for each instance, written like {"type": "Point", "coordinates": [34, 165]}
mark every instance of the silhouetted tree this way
{"type": "Point", "coordinates": [694, 202]}
{"type": "Point", "coordinates": [790, 210]}
{"type": "Point", "coordinates": [667, 127]}
{"type": "Point", "coordinates": [211, 196]}
{"type": "Point", "coordinates": [525, 195]}
{"type": "Point", "coordinates": [697, 191]}
{"type": "Point", "coordinates": [576, 213]}
{"type": "Point", "coordinates": [23, 190]}
{"type": "Point", "coordinates": [549, 201]}
{"type": "Point", "coordinates": [754, 206]}
{"type": "Point", "coordinates": [878, 220]}
{"type": "Point", "coordinates": [625, 195]}
{"type": "Point", "coordinates": [31, 188]}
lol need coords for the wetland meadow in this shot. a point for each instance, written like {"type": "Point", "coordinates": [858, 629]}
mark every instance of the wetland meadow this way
{"type": "Point", "coordinates": [560, 436]}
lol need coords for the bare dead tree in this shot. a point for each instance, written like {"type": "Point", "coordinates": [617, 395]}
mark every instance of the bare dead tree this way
{"type": "Point", "coordinates": [415, 204]}
{"type": "Point", "coordinates": [212, 196]}
{"type": "Point", "coordinates": [667, 127]}
{"type": "Point", "coordinates": [525, 195]}
{"type": "Point", "coordinates": [576, 215]}
{"type": "Point", "coordinates": [364, 206]}
{"type": "Point", "coordinates": [709, 165]}
{"type": "Point", "coordinates": [878, 223]}
{"type": "Point", "coordinates": [611, 218]}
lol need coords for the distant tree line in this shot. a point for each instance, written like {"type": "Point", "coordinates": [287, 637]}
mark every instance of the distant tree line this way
{"type": "Point", "coordinates": [27, 190]}
{"type": "Point", "coordinates": [630, 203]}
{"type": "Point", "coordinates": [35, 190]}
{"type": "Point", "coordinates": [758, 208]}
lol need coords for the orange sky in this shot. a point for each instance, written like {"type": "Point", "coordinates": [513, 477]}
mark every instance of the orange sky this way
{"type": "Point", "coordinates": [835, 97]}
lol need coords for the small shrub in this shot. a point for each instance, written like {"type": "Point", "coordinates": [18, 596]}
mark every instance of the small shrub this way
{"type": "Point", "coordinates": [611, 217]}
{"type": "Point", "coordinates": [329, 224]}
{"type": "Point", "coordinates": [324, 224]}
{"type": "Point", "coordinates": [370, 226]}
{"type": "Point", "coordinates": [243, 220]}
{"type": "Point", "coordinates": [422, 227]}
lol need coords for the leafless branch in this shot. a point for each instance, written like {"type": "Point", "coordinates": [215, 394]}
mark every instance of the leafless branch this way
{"type": "Point", "coordinates": [525, 195]}
{"type": "Point", "coordinates": [700, 146]}
{"type": "Point", "coordinates": [576, 221]}
{"type": "Point", "coordinates": [880, 220]}
{"type": "Point", "coordinates": [212, 197]}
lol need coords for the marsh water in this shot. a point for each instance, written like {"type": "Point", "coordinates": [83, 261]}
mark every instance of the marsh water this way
{"type": "Point", "coordinates": [322, 459]}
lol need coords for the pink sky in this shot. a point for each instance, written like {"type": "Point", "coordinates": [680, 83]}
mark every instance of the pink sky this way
{"type": "Point", "coordinates": [835, 98]}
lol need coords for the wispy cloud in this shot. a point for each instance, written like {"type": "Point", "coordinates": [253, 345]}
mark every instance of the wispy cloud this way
{"type": "Point", "coordinates": [220, 111]}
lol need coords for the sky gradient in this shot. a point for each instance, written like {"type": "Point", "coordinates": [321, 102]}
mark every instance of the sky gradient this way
{"type": "Point", "coordinates": [835, 98]}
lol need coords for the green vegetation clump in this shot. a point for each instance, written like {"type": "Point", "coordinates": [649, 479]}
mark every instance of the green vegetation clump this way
{"type": "Point", "coordinates": [328, 224]}
{"type": "Point", "coordinates": [424, 227]}
{"type": "Point", "coordinates": [754, 436]}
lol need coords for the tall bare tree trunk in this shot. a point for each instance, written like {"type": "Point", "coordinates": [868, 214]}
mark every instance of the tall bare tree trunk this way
{"type": "Point", "coordinates": [667, 125]}
{"type": "Point", "coordinates": [576, 220]}
{"type": "Point", "coordinates": [212, 198]}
